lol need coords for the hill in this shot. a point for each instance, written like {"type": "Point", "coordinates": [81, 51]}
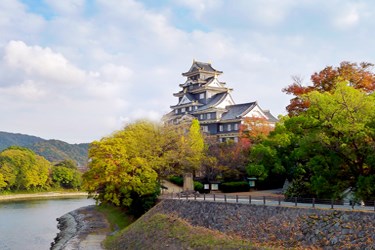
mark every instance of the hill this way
{"type": "Point", "coordinates": [11, 139]}
{"type": "Point", "coordinates": [160, 231]}
{"type": "Point", "coordinates": [52, 150]}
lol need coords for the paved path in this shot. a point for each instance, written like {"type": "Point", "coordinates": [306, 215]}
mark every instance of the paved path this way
{"type": "Point", "coordinates": [269, 200]}
{"type": "Point", "coordinates": [172, 188]}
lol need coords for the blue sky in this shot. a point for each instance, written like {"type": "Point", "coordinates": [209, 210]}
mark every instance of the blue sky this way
{"type": "Point", "coordinates": [77, 70]}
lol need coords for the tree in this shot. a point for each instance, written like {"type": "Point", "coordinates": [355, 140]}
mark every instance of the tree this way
{"type": "Point", "coordinates": [123, 164]}
{"type": "Point", "coordinates": [125, 168]}
{"type": "Point", "coordinates": [66, 175]}
{"type": "Point", "coordinates": [68, 163]}
{"type": "Point", "coordinates": [192, 145]}
{"type": "Point", "coordinates": [357, 76]}
{"type": "Point", "coordinates": [327, 148]}
{"type": "Point", "coordinates": [253, 130]}
{"type": "Point", "coordinates": [22, 169]}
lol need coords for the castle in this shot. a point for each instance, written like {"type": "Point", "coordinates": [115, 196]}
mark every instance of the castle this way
{"type": "Point", "coordinates": [206, 98]}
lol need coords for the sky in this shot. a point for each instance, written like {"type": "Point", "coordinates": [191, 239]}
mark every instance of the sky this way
{"type": "Point", "coordinates": [78, 70]}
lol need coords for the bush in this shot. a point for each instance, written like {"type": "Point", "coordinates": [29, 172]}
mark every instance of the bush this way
{"type": "Point", "coordinates": [230, 187]}
{"type": "Point", "coordinates": [198, 186]}
{"type": "Point", "coordinates": [178, 180]}
{"type": "Point", "coordinates": [141, 204]}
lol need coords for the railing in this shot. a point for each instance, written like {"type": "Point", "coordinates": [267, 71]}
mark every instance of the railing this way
{"type": "Point", "coordinates": [276, 201]}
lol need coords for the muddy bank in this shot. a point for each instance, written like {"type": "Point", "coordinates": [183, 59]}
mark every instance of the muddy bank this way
{"type": "Point", "coordinates": [83, 228]}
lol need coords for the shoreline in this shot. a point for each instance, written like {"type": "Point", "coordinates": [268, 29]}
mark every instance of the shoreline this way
{"type": "Point", "coordinates": [84, 228]}
{"type": "Point", "coordinates": [10, 197]}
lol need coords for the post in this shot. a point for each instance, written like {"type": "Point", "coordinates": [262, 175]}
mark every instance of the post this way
{"type": "Point", "coordinates": [225, 197]}
{"type": "Point", "coordinates": [204, 197]}
{"type": "Point", "coordinates": [295, 201]}
{"type": "Point", "coordinates": [279, 201]}
{"type": "Point", "coordinates": [264, 200]}
{"type": "Point", "coordinates": [236, 198]}
{"type": "Point", "coordinates": [331, 203]}
{"type": "Point", "coordinates": [249, 199]}
{"type": "Point", "coordinates": [195, 196]}
{"type": "Point", "coordinates": [187, 196]}
{"type": "Point", "coordinates": [214, 197]}
{"type": "Point", "coordinates": [313, 203]}
{"type": "Point", "coordinates": [374, 205]}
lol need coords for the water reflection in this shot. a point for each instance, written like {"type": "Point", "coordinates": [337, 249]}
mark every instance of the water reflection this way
{"type": "Point", "coordinates": [32, 224]}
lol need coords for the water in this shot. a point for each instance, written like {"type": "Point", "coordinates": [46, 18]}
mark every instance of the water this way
{"type": "Point", "coordinates": [32, 224]}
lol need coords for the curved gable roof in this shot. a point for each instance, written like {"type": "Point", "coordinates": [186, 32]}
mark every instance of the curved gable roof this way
{"type": "Point", "coordinates": [201, 66]}
{"type": "Point", "coordinates": [187, 98]}
{"type": "Point", "coordinates": [215, 100]}
{"type": "Point", "coordinates": [238, 110]}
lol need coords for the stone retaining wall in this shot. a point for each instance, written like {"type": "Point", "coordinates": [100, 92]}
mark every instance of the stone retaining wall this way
{"type": "Point", "coordinates": [279, 226]}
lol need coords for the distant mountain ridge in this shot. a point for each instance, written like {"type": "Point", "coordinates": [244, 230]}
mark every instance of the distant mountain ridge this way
{"type": "Point", "coordinates": [52, 150]}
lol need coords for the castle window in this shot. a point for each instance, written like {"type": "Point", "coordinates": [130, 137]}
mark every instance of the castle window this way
{"type": "Point", "coordinates": [201, 116]}
{"type": "Point", "coordinates": [236, 126]}
{"type": "Point", "coordinates": [221, 128]}
{"type": "Point", "coordinates": [208, 116]}
{"type": "Point", "coordinates": [182, 110]}
{"type": "Point", "coordinates": [176, 111]}
{"type": "Point", "coordinates": [201, 96]}
{"type": "Point", "coordinates": [229, 127]}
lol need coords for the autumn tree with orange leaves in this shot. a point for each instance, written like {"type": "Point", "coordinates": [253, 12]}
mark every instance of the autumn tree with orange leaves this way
{"type": "Point", "coordinates": [254, 130]}
{"type": "Point", "coordinates": [358, 76]}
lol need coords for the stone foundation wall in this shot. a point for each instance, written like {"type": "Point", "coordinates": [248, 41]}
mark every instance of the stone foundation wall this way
{"type": "Point", "coordinates": [279, 226]}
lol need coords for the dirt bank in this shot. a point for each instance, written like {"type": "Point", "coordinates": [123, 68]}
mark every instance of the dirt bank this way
{"type": "Point", "coordinates": [83, 228]}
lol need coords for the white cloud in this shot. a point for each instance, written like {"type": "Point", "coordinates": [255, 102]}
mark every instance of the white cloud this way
{"type": "Point", "coordinates": [199, 7]}
{"type": "Point", "coordinates": [347, 16]}
{"type": "Point", "coordinates": [42, 63]}
{"type": "Point", "coordinates": [67, 6]}
{"type": "Point", "coordinates": [27, 90]}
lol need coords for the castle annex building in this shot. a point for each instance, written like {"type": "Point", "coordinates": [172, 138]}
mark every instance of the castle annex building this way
{"type": "Point", "coordinates": [206, 98]}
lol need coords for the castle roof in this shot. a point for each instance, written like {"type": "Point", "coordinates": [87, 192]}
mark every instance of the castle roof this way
{"type": "Point", "coordinates": [215, 100]}
{"type": "Point", "coordinates": [238, 110]}
{"type": "Point", "coordinates": [271, 118]}
{"type": "Point", "coordinates": [197, 67]}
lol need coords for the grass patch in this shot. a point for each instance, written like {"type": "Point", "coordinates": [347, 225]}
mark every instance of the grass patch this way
{"type": "Point", "coordinates": [117, 217]}
{"type": "Point", "coordinates": [161, 231]}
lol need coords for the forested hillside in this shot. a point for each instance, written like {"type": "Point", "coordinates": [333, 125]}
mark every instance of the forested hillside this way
{"type": "Point", "coordinates": [52, 150]}
{"type": "Point", "coordinates": [11, 139]}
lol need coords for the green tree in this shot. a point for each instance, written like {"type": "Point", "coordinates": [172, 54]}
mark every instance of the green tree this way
{"type": "Point", "coordinates": [65, 174]}
{"type": "Point", "coordinates": [357, 76]}
{"type": "Point", "coordinates": [123, 164]}
{"type": "Point", "coordinates": [3, 184]}
{"type": "Point", "coordinates": [22, 169]}
{"type": "Point", "coordinates": [193, 147]}
{"type": "Point", "coordinates": [68, 163]}
{"type": "Point", "coordinates": [327, 148]}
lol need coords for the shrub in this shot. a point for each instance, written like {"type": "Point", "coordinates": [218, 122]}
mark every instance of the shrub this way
{"type": "Point", "coordinates": [198, 186]}
{"type": "Point", "coordinates": [230, 187]}
{"type": "Point", "coordinates": [178, 180]}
